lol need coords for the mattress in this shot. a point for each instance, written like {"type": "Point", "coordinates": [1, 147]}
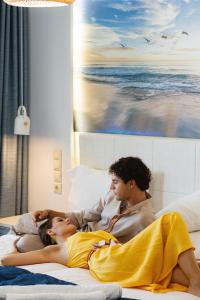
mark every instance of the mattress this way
{"type": "Point", "coordinates": [83, 277]}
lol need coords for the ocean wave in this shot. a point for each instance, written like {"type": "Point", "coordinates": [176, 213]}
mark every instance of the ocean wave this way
{"type": "Point", "coordinates": [157, 79]}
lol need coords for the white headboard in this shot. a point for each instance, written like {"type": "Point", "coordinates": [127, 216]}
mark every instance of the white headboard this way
{"type": "Point", "coordinates": [175, 163]}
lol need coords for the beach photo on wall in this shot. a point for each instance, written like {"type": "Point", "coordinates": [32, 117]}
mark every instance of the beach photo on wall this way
{"type": "Point", "coordinates": [137, 67]}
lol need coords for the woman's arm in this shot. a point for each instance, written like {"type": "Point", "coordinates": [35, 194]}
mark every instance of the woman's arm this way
{"type": "Point", "coordinates": [55, 253]}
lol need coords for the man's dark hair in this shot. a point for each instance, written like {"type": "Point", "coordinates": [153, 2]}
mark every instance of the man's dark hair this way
{"type": "Point", "coordinates": [45, 237]}
{"type": "Point", "coordinates": [128, 168]}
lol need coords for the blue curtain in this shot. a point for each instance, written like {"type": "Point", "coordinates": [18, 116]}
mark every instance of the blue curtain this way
{"type": "Point", "coordinates": [13, 149]}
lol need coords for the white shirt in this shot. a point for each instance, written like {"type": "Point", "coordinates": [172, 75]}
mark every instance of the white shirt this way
{"type": "Point", "coordinates": [99, 216]}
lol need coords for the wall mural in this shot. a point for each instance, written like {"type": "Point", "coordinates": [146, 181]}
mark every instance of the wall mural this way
{"type": "Point", "coordinates": [139, 70]}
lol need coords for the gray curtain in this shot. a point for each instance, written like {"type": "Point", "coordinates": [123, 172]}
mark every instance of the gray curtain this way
{"type": "Point", "coordinates": [13, 149]}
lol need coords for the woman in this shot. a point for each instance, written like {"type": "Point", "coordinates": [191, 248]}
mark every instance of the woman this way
{"type": "Point", "coordinates": [160, 258]}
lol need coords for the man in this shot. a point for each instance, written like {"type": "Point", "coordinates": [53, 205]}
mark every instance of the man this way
{"type": "Point", "coordinates": [127, 208]}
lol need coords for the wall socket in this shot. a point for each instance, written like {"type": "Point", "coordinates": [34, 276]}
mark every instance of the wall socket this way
{"type": "Point", "coordinates": [57, 188]}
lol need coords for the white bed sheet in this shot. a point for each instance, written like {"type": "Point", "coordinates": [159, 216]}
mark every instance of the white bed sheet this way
{"type": "Point", "coordinates": [83, 277]}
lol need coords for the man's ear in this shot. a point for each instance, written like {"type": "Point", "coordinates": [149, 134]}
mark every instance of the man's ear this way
{"type": "Point", "coordinates": [132, 183]}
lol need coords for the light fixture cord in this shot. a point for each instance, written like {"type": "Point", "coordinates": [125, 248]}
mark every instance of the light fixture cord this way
{"type": "Point", "coordinates": [21, 50]}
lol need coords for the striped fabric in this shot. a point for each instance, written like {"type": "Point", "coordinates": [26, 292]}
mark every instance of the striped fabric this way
{"type": "Point", "coordinates": [13, 149]}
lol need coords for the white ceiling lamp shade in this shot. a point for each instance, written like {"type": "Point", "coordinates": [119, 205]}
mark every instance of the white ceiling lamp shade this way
{"type": "Point", "coordinates": [38, 3]}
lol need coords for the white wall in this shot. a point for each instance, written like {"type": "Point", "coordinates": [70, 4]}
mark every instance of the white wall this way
{"type": "Point", "coordinates": [51, 102]}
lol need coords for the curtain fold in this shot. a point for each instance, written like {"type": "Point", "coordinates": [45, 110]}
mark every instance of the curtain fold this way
{"type": "Point", "coordinates": [13, 149]}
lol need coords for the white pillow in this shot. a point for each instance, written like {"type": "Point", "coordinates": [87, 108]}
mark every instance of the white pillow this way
{"type": "Point", "coordinates": [6, 244]}
{"type": "Point", "coordinates": [188, 207]}
{"type": "Point", "coordinates": [87, 186]}
{"type": "Point", "coordinates": [195, 237]}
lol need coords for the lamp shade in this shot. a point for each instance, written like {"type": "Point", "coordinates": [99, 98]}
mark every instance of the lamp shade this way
{"type": "Point", "coordinates": [38, 3]}
{"type": "Point", "coordinates": [22, 122]}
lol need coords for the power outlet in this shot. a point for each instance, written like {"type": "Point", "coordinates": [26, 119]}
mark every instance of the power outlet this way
{"type": "Point", "coordinates": [57, 188]}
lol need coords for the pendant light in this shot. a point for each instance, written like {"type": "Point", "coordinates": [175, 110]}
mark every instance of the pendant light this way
{"type": "Point", "coordinates": [38, 3]}
{"type": "Point", "coordinates": [22, 121]}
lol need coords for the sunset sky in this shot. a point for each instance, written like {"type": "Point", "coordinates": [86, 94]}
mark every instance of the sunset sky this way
{"type": "Point", "coordinates": [130, 31]}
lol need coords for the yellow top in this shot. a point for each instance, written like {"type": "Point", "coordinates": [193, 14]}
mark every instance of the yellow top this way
{"type": "Point", "coordinates": [80, 245]}
{"type": "Point", "coordinates": [145, 262]}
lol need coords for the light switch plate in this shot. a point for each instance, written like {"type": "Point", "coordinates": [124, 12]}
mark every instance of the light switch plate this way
{"type": "Point", "coordinates": [57, 176]}
{"type": "Point", "coordinates": [57, 165]}
{"type": "Point", "coordinates": [57, 154]}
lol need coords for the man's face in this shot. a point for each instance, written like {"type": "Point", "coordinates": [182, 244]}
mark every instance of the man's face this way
{"type": "Point", "coordinates": [119, 188]}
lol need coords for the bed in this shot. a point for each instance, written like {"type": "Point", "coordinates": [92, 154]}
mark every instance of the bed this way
{"type": "Point", "coordinates": [92, 161]}
{"type": "Point", "coordinates": [83, 278]}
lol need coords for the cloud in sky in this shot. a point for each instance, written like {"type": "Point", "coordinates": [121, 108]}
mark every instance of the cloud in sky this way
{"type": "Point", "coordinates": [129, 35]}
{"type": "Point", "coordinates": [159, 16]}
{"type": "Point", "coordinates": [160, 13]}
{"type": "Point", "coordinates": [154, 12]}
{"type": "Point", "coordinates": [125, 6]}
{"type": "Point", "coordinates": [107, 24]}
{"type": "Point", "coordinates": [100, 36]}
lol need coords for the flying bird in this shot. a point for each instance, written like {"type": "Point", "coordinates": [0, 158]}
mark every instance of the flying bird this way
{"type": "Point", "coordinates": [123, 46]}
{"type": "Point", "coordinates": [185, 32]}
{"type": "Point", "coordinates": [164, 36]}
{"type": "Point", "coordinates": [147, 40]}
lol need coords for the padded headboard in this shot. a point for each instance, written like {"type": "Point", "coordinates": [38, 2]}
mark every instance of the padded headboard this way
{"type": "Point", "coordinates": [175, 163]}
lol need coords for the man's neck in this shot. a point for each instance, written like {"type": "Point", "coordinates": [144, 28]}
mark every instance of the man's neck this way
{"type": "Point", "coordinates": [136, 198]}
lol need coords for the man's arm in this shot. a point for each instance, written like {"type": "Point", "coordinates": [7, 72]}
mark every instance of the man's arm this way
{"type": "Point", "coordinates": [40, 215]}
{"type": "Point", "coordinates": [80, 219]}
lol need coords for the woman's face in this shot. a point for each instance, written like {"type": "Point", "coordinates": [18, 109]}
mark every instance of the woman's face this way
{"type": "Point", "coordinates": [63, 226]}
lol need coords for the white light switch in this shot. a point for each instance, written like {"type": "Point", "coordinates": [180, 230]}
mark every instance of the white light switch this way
{"type": "Point", "coordinates": [57, 154]}
{"type": "Point", "coordinates": [57, 176]}
{"type": "Point", "coordinates": [57, 165]}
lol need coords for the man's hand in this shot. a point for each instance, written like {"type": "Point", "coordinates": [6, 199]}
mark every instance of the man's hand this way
{"type": "Point", "coordinates": [39, 215]}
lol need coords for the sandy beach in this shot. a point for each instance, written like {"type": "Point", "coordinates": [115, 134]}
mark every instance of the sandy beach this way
{"type": "Point", "coordinates": [105, 108]}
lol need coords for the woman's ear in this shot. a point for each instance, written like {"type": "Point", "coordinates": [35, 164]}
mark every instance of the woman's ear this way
{"type": "Point", "coordinates": [50, 232]}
